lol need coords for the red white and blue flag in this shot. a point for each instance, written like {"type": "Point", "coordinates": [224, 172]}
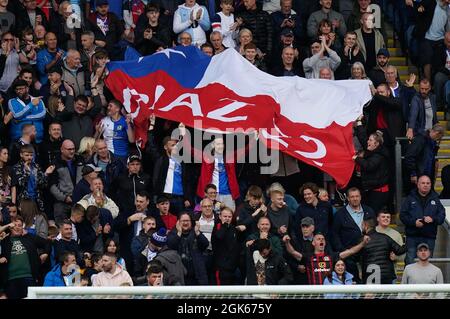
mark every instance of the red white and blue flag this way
{"type": "Point", "coordinates": [308, 119]}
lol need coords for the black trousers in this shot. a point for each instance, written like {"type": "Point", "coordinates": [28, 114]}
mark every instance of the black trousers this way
{"type": "Point", "coordinates": [18, 288]}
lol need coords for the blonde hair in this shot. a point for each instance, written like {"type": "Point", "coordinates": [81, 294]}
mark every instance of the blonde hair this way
{"type": "Point", "coordinates": [86, 145]}
{"type": "Point", "coordinates": [275, 188]}
{"type": "Point", "coordinates": [322, 191]}
{"type": "Point", "coordinates": [361, 67]}
{"type": "Point", "coordinates": [244, 30]}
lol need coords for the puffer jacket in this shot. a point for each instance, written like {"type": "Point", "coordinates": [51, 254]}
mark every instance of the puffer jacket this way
{"type": "Point", "coordinates": [374, 168]}
{"type": "Point", "coordinates": [260, 23]}
{"type": "Point", "coordinates": [377, 252]}
{"type": "Point", "coordinates": [374, 164]}
{"type": "Point", "coordinates": [412, 210]}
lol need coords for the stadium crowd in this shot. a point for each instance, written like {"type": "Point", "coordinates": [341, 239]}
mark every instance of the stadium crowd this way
{"type": "Point", "coordinates": [82, 204]}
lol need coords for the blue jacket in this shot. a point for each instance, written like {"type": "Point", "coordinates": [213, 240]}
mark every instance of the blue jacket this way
{"type": "Point", "coordinates": [346, 233]}
{"type": "Point", "coordinates": [54, 277]}
{"type": "Point", "coordinates": [420, 155]}
{"type": "Point", "coordinates": [412, 210]}
{"type": "Point", "coordinates": [42, 59]}
{"type": "Point", "coordinates": [26, 114]}
{"type": "Point", "coordinates": [336, 281]}
{"type": "Point", "coordinates": [417, 116]}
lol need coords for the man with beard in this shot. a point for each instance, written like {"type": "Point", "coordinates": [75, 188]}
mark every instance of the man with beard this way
{"type": "Point", "coordinates": [377, 74]}
{"type": "Point", "coordinates": [423, 110]}
{"type": "Point", "coordinates": [113, 275]}
{"type": "Point", "coordinates": [28, 137]}
{"type": "Point", "coordinates": [26, 109]}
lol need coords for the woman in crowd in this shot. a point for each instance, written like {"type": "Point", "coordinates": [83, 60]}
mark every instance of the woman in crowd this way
{"type": "Point", "coordinates": [373, 164]}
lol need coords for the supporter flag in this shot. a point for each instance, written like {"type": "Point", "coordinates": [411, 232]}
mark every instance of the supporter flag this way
{"type": "Point", "coordinates": [308, 119]}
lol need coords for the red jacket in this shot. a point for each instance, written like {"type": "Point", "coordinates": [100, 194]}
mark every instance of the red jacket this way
{"type": "Point", "coordinates": [206, 178]}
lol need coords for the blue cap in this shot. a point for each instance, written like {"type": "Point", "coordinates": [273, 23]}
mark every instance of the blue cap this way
{"type": "Point", "coordinates": [101, 2]}
{"type": "Point", "coordinates": [383, 51]}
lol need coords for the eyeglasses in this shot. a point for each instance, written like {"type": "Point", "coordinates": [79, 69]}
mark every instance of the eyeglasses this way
{"type": "Point", "coordinates": [207, 206]}
{"type": "Point", "coordinates": [8, 39]}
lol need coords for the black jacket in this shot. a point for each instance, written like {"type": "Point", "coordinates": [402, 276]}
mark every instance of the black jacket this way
{"type": "Point", "coordinates": [196, 246]}
{"type": "Point", "coordinates": [346, 233]}
{"type": "Point", "coordinates": [114, 33]}
{"type": "Point", "coordinates": [377, 76]}
{"type": "Point", "coordinates": [424, 18]}
{"type": "Point", "coordinates": [244, 217]}
{"type": "Point", "coordinates": [304, 247]}
{"type": "Point", "coordinates": [49, 151]}
{"type": "Point", "coordinates": [125, 188]}
{"type": "Point", "coordinates": [344, 71]}
{"type": "Point", "coordinates": [161, 33]}
{"type": "Point", "coordinates": [260, 23]}
{"type": "Point", "coordinates": [277, 271]}
{"type": "Point", "coordinates": [23, 20]}
{"type": "Point", "coordinates": [160, 168]}
{"type": "Point", "coordinates": [377, 252]}
{"type": "Point", "coordinates": [225, 246]}
{"type": "Point", "coordinates": [32, 244]}
{"type": "Point", "coordinates": [61, 246]}
{"type": "Point", "coordinates": [374, 167]}
{"type": "Point", "coordinates": [392, 111]}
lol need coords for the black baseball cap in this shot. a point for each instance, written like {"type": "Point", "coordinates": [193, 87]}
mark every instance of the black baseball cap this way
{"type": "Point", "coordinates": [133, 158]}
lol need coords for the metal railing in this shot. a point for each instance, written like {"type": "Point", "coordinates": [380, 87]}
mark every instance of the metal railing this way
{"type": "Point", "coordinates": [399, 172]}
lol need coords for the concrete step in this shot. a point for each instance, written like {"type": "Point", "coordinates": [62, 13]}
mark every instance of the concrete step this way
{"type": "Point", "coordinates": [403, 70]}
{"type": "Point", "coordinates": [405, 77]}
{"type": "Point", "coordinates": [390, 43]}
{"type": "Point", "coordinates": [440, 115]}
{"type": "Point", "coordinates": [395, 52]}
{"type": "Point", "coordinates": [398, 61]}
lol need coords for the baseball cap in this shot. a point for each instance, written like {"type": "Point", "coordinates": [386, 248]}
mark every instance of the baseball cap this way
{"type": "Point", "coordinates": [423, 245]}
{"type": "Point", "coordinates": [287, 32]}
{"type": "Point", "coordinates": [307, 221]}
{"type": "Point", "coordinates": [101, 2]}
{"type": "Point", "coordinates": [133, 158]}
{"type": "Point", "coordinates": [383, 51]}
{"type": "Point", "coordinates": [89, 168]}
